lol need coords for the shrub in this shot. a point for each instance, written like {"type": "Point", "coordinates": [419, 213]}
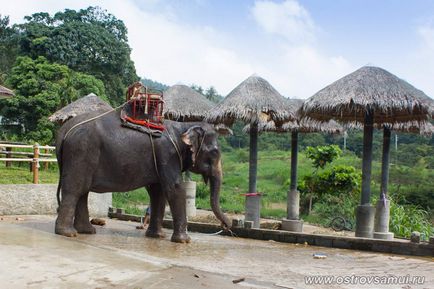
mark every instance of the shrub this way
{"type": "Point", "coordinates": [405, 219]}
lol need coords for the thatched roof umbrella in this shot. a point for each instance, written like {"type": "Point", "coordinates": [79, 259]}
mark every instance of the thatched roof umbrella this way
{"type": "Point", "coordinates": [182, 103]}
{"type": "Point", "coordinates": [370, 95]}
{"type": "Point", "coordinates": [253, 101]}
{"type": "Point", "coordinates": [5, 92]}
{"type": "Point", "coordinates": [293, 223]}
{"type": "Point", "coordinates": [88, 103]}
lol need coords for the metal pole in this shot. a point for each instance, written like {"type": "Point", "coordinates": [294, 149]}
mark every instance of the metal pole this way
{"type": "Point", "coordinates": [368, 133]}
{"type": "Point", "coordinates": [253, 161]}
{"type": "Point", "coordinates": [345, 140]}
{"type": "Point", "coordinates": [385, 162]}
{"type": "Point", "coordinates": [253, 199]}
{"type": "Point", "coordinates": [293, 198]}
{"type": "Point", "coordinates": [365, 213]}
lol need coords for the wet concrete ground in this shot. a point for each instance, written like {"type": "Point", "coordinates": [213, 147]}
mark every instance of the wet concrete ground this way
{"type": "Point", "coordinates": [119, 256]}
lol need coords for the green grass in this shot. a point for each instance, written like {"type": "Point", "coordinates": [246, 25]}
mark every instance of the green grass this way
{"type": "Point", "coordinates": [20, 174]}
{"type": "Point", "coordinates": [272, 182]}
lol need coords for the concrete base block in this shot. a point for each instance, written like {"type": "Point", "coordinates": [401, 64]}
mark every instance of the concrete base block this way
{"type": "Point", "coordinates": [253, 209]}
{"type": "Point", "coordinates": [292, 225]}
{"type": "Point", "coordinates": [237, 223]}
{"type": "Point", "coordinates": [415, 237]}
{"type": "Point", "coordinates": [190, 198]}
{"type": "Point", "coordinates": [383, 235]}
{"type": "Point", "coordinates": [41, 200]}
{"type": "Point", "coordinates": [365, 215]}
{"type": "Point", "coordinates": [248, 224]}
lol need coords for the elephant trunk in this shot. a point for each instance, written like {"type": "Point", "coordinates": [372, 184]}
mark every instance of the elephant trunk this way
{"type": "Point", "coordinates": [215, 184]}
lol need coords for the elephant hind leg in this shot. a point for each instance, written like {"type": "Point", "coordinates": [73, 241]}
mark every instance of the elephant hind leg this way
{"type": "Point", "coordinates": [81, 220]}
{"type": "Point", "coordinates": [64, 222]}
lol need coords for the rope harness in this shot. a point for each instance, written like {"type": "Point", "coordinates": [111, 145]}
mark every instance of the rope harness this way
{"type": "Point", "coordinates": [150, 137]}
{"type": "Point", "coordinates": [91, 119]}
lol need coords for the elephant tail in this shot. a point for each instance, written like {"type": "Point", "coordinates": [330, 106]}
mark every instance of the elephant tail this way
{"type": "Point", "coordinates": [59, 163]}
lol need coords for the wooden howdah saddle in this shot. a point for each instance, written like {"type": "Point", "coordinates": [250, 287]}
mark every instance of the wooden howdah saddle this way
{"type": "Point", "coordinates": [143, 110]}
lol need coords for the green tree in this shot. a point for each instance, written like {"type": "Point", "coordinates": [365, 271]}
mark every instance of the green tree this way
{"type": "Point", "coordinates": [90, 40]}
{"type": "Point", "coordinates": [322, 155]}
{"type": "Point", "coordinates": [41, 88]}
{"type": "Point", "coordinates": [8, 47]}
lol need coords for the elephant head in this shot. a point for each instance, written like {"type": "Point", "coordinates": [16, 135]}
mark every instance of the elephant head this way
{"type": "Point", "coordinates": [206, 160]}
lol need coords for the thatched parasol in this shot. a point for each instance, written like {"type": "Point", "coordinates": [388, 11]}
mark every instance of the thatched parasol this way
{"type": "Point", "coordinates": [370, 95]}
{"type": "Point", "coordinates": [88, 103]}
{"type": "Point", "coordinates": [5, 92]}
{"type": "Point", "coordinates": [254, 101]}
{"type": "Point", "coordinates": [293, 223]}
{"type": "Point", "coordinates": [183, 103]}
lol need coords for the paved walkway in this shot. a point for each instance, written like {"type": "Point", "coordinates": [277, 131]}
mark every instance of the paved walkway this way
{"type": "Point", "coordinates": [119, 256]}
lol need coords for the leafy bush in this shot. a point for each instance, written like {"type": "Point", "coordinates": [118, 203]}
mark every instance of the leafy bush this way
{"type": "Point", "coordinates": [335, 181]}
{"type": "Point", "coordinates": [242, 155]}
{"type": "Point", "coordinates": [405, 219]}
{"type": "Point", "coordinates": [322, 155]}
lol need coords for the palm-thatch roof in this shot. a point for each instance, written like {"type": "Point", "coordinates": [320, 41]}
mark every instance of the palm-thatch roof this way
{"type": "Point", "coordinates": [254, 100]}
{"type": "Point", "coordinates": [389, 98]}
{"type": "Point", "coordinates": [183, 103]}
{"type": "Point", "coordinates": [299, 125]}
{"type": "Point", "coordinates": [5, 92]}
{"type": "Point", "coordinates": [88, 103]}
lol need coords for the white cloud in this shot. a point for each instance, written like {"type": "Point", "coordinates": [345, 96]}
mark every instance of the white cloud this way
{"type": "Point", "coordinates": [168, 50]}
{"type": "Point", "coordinates": [299, 68]}
{"type": "Point", "coordinates": [288, 19]}
{"type": "Point", "coordinates": [419, 66]}
{"type": "Point", "coordinates": [426, 33]}
{"type": "Point", "coordinates": [173, 52]}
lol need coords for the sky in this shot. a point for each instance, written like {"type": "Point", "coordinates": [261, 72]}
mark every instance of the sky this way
{"type": "Point", "coordinates": [299, 46]}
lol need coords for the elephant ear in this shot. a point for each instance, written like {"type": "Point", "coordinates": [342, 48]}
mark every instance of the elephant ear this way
{"type": "Point", "coordinates": [193, 138]}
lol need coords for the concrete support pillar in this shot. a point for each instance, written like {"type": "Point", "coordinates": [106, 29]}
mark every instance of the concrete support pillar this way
{"type": "Point", "coordinates": [253, 199]}
{"type": "Point", "coordinates": [382, 217]}
{"type": "Point", "coordinates": [293, 222]}
{"type": "Point", "coordinates": [365, 213]}
{"type": "Point", "coordinates": [253, 209]}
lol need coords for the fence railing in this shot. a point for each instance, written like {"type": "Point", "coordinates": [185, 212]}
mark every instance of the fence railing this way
{"type": "Point", "coordinates": [35, 157]}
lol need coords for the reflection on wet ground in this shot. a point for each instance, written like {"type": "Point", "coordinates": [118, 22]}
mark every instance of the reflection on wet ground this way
{"type": "Point", "coordinates": [262, 263]}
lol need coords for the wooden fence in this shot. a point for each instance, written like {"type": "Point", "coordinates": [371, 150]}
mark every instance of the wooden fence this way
{"type": "Point", "coordinates": [39, 154]}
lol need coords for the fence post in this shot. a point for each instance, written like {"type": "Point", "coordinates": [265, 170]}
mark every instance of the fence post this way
{"type": "Point", "coordinates": [46, 163]}
{"type": "Point", "coordinates": [8, 155]}
{"type": "Point", "coordinates": [35, 164]}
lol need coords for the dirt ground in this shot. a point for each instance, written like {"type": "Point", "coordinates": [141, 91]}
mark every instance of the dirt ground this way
{"type": "Point", "coordinates": [205, 216]}
{"type": "Point", "coordinates": [120, 256]}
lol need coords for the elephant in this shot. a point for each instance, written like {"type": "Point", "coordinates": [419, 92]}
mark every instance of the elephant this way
{"type": "Point", "coordinates": [100, 155]}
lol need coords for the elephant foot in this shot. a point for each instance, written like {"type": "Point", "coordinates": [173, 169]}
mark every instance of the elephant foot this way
{"type": "Point", "coordinates": [180, 238]}
{"type": "Point", "coordinates": [67, 232]}
{"type": "Point", "coordinates": [155, 234]}
{"type": "Point", "coordinates": [85, 229]}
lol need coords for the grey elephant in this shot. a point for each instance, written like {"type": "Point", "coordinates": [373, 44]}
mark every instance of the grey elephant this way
{"type": "Point", "coordinates": [102, 156]}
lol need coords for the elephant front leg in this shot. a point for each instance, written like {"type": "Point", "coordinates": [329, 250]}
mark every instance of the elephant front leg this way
{"type": "Point", "coordinates": [158, 204]}
{"type": "Point", "coordinates": [176, 199]}
{"type": "Point", "coordinates": [81, 220]}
